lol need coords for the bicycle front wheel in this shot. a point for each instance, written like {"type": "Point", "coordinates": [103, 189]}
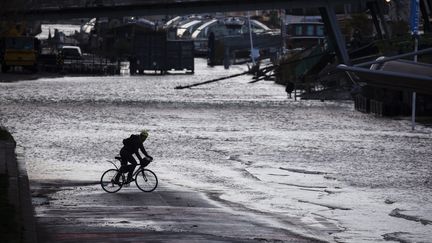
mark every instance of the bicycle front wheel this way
{"type": "Point", "coordinates": [108, 181]}
{"type": "Point", "coordinates": [146, 180]}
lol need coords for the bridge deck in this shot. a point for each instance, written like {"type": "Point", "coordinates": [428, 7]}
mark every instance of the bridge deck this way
{"type": "Point", "coordinates": [148, 8]}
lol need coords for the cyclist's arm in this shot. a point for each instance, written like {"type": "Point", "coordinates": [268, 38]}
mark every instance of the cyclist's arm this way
{"type": "Point", "coordinates": [145, 152]}
{"type": "Point", "coordinates": [138, 156]}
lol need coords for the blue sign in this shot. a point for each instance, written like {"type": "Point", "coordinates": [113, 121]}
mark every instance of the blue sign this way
{"type": "Point", "coordinates": [414, 18]}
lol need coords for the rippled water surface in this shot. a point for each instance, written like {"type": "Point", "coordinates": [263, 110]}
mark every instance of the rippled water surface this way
{"type": "Point", "coordinates": [321, 164]}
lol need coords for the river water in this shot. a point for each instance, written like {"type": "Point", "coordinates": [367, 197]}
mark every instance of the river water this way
{"type": "Point", "coordinates": [321, 164]}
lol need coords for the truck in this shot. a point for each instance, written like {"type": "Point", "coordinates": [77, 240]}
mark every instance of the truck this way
{"type": "Point", "coordinates": [19, 51]}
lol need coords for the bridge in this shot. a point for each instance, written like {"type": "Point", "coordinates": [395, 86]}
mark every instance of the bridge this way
{"type": "Point", "coordinates": [80, 9]}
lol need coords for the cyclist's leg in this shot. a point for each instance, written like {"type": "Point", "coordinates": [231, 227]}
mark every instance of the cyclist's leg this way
{"type": "Point", "coordinates": [123, 169]}
{"type": "Point", "coordinates": [131, 168]}
{"type": "Point", "coordinates": [127, 156]}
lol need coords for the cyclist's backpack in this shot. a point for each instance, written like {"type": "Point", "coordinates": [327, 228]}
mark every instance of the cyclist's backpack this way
{"type": "Point", "coordinates": [128, 142]}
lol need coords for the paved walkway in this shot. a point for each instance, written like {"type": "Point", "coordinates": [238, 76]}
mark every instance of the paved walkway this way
{"type": "Point", "coordinates": [82, 212]}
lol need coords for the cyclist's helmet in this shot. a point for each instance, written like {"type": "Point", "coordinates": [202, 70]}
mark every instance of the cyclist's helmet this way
{"type": "Point", "coordinates": [143, 135]}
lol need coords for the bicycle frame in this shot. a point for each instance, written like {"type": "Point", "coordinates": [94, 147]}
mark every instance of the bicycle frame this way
{"type": "Point", "coordinates": [139, 166]}
{"type": "Point", "coordinates": [117, 167]}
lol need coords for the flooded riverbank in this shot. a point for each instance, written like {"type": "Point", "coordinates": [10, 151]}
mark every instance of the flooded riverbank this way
{"type": "Point", "coordinates": [310, 166]}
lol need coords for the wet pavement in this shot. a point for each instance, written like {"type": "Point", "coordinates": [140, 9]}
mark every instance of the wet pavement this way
{"type": "Point", "coordinates": [81, 212]}
{"type": "Point", "coordinates": [236, 161]}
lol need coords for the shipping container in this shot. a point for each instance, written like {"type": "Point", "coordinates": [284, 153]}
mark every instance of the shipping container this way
{"type": "Point", "coordinates": [180, 55]}
{"type": "Point", "coordinates": [153, 52]}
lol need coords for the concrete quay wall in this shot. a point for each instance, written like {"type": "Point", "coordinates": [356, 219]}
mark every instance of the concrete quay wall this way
{"type": "Point", "coordinates": [18, 192]}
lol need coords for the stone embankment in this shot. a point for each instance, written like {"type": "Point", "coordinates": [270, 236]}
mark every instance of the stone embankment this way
{"type": "Point", "coordinates": [16, 197]}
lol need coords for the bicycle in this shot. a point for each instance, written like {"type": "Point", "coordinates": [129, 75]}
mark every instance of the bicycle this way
{"type": "Point", "coordinates": [145, 179]}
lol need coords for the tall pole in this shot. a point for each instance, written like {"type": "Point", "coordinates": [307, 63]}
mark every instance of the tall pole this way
{"type": "Point", "coordinates": [283, 29]}
{"type": "Point", "coordinates": [415, 7]}
{"type": "Point", "coordinates": [251, 41]}
{"type": "Point", "coordinates": [414, 94]}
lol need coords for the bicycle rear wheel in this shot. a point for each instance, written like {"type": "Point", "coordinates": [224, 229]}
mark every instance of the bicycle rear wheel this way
{"type": "Point", "coordinates": [146, 180]}
{"type": "Point", "coordinates": [107, 181]}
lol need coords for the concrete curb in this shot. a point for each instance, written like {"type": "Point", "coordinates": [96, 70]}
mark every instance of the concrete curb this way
{"type": "Point", "coordinates": [19, 192]}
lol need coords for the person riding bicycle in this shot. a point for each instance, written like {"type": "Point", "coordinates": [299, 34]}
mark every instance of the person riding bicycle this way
{"type": "Point", "coordinates": [131, 146]}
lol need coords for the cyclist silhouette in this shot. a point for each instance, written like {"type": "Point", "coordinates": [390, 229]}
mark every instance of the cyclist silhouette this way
{"type": "Point", "coordinates": [131, 146]}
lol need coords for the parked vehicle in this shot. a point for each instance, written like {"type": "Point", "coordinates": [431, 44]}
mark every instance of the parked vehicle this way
{"type": "Point", "coordinates": [19, 52]}
{"type": "Point", "coordinates": [70, 53]}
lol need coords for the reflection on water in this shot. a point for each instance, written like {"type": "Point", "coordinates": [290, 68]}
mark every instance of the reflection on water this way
{"type": "Point", "coordinates": [320, 162]}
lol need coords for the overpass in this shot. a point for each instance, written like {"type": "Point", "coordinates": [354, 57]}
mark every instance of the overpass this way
{"type": "Point", "coordinates": [80, 9]}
